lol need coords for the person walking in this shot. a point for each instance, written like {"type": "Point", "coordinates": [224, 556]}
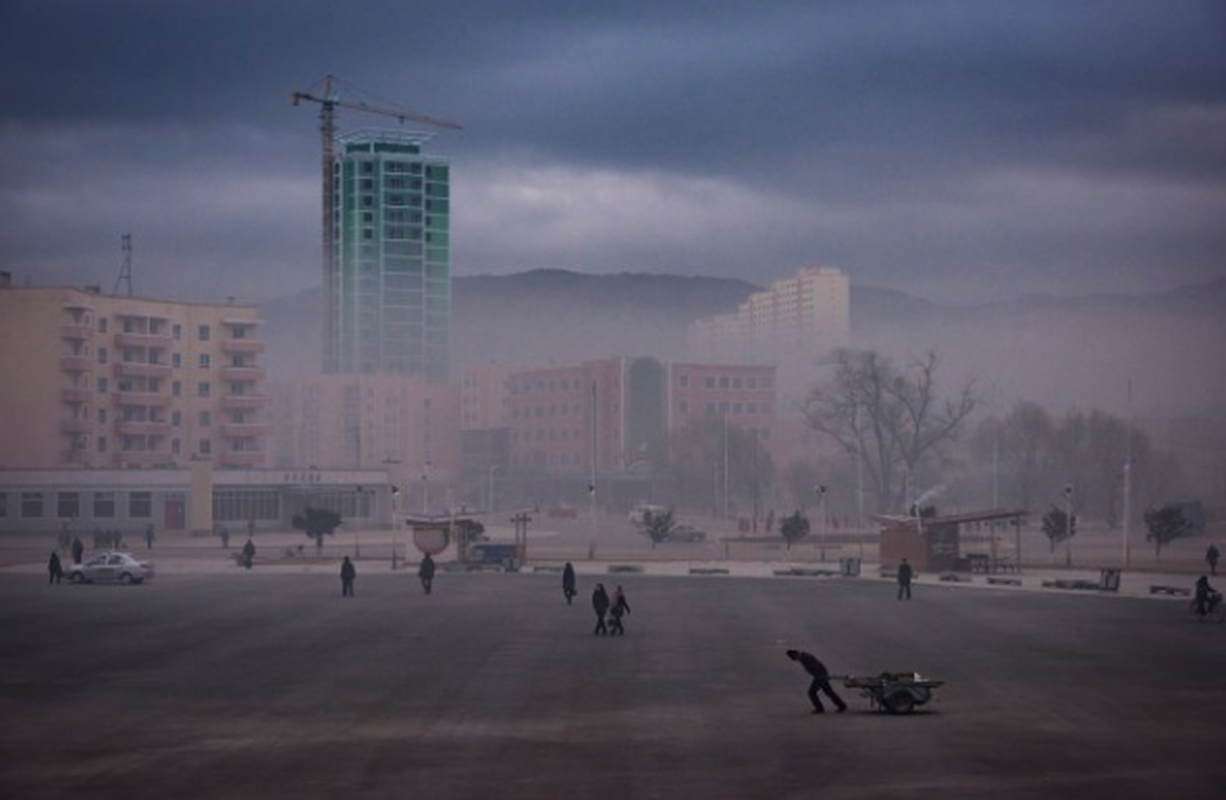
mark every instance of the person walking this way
{"type": "Point", "coordinates": [348, 574]}
{"type": "Point", "coordinates": [620, 609]}
{"type": "Point", "coordinates": [904, 579]}
{"type": "Point", "coordinates": [1211, 557]}
{"type": "Point", "coordinates": [568, 582]}
{"type": "Point", "coordinates": [426, 573]}
{"type": "Point", "coordinates": [248, 553]}
{"type": "Point", "coordinates": [78, 549]}
{"type": "Point", "coordinates": [820, 682]}
{"type": "Point", "coordinates": [149, 536]}
{"type": "Point", "coordinates": [600, 604]}
{"type": "Point", "coordinates": [55, 569]}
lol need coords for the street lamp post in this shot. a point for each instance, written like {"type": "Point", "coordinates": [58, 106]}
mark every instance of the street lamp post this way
{"type": "Point", "coordinates": [1068, 525]}
{"type": "Point", "coordinates": [821, 510]}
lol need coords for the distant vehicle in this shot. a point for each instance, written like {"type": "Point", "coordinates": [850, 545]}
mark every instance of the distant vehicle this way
{"type": "Point", "coordinates": [494, 553]}
{"type": "Point", "coordinates": [686, 533]}
{"type": "Point", "coordinates": [111, 567]}
{"type": "Point", "coordinates": [563, 511]}
{"type": "Point", "coordinates": [643, 510]}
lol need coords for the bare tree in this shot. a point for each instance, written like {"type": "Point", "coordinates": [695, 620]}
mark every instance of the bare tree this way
{"type": "Point", "coordinates": [893, 418]}
{"type": "Point", "coordinates": [1021, 447]}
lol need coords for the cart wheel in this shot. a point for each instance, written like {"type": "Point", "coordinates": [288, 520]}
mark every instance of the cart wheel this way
{"type": "Point", "coordinates": [900, 702]}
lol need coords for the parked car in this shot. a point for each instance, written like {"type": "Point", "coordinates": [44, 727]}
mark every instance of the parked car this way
{"type": "Point", "coordinates": [111, 566]}
{"type": "Point", "coordinates": [686, 533]}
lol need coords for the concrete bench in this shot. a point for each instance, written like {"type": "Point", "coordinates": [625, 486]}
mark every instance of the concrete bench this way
{"type": "Point", "coordinates": [1174, 591]}
{"type": "Point", "coordinates": [1004, 581]}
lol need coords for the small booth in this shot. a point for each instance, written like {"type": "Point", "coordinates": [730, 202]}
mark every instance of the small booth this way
{"type": "Point", "coordinates": [935, 544]}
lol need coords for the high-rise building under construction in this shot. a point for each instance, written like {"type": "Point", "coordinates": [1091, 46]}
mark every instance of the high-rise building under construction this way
{"type": "Point", "coordinates": [388, 298]}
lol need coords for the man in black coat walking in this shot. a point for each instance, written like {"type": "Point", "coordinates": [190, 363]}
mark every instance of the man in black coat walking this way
{"type": "Point", "coordinates": [568, 582]}
{"type": "Point", "coordinates": [821, 681]}
{"type": "Point", "coordinates": [600, 604]}
{"type": "Point", "coordinates": [348, 574]}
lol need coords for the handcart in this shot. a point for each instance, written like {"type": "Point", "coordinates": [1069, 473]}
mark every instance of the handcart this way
{"type": "Point", "coordinates": [895, 692]}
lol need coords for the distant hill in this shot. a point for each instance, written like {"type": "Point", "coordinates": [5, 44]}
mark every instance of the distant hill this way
{"type": "Point", "coordinates": [1076, 351]}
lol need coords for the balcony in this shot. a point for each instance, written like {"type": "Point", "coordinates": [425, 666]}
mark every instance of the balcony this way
{"type": "Point", "coordinates": [144, 458]}
{"type": "Point", "coordinates": [242, 347]}
{"type": "Point", "coordinates": [77, 333]}
{"type": "Point", "coordinates": [241, 458]}
{"type": "Point", "coordinates": [136, 369]}
{"type": "Point", "coordinates": [76, 363]}
{"type": "Point", "coordinates": [76, 426]}
{"type": "Point", "coordinates": [76, 395]}
{"type": "Point", "coordinates": [244, 430]}
{"type": "Point", "coordinates": [243, 402]}
{"type": "Point", "coordinates": [157, 341]}
{"type": "Point", "coordinates": [144, 428]}
{"type": "Point", "coordinates": [239, 374]}
{"type": "Point", "coordinates": [142, 399]}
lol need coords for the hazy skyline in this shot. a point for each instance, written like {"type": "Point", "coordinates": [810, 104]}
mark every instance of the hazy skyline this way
{"type": "Point", "coordinates": [960, 151]}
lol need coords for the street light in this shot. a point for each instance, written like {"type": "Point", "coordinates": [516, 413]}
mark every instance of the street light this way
{"type": "Point", "coordinates": [821, 533]}
{"type": "Point", "coordinates": [1068, 525]}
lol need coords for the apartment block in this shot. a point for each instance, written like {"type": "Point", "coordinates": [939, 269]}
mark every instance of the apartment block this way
{"type": "Point", "coordinates": [102, 381]}
{"type": "Point", "coordinates": [407, 425]}
{"type": "Point", "coordinates": [795, 318]}
{"type": "Point", "coordinates": [388, 301]}
{"type": "Point", "coordinates": [614, 415]}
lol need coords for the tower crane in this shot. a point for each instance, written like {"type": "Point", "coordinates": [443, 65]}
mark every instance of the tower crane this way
{"type": "Point", "coordinates": [329, 101]}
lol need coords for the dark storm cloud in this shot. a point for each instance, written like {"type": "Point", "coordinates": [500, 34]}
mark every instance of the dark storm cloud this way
{"type": "Point", "coordinates": [982, 146]}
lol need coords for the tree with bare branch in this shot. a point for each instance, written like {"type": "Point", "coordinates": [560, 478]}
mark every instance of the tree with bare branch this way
{"type": "Point", "coordinates": [894, 418]}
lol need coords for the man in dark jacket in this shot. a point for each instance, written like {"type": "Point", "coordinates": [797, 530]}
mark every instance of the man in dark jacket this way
{"type": "Point", "coordinates": [904, 579]}
{"type": "Point", "coordinates": [600, 604]}
{"type": "Point", "coordinates": [426, 573]}
{"type": "Point", "coordinates": [348, 574]}
{"type": "Point", "coordinates": [568, 582]}
{"type": "Point", "coordinates": [821, 681]}
{"type": "Point", "coordinates": [78, 549]}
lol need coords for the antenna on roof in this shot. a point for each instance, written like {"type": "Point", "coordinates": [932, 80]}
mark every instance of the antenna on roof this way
{"type": "Point", "coordinates": [125, 270]}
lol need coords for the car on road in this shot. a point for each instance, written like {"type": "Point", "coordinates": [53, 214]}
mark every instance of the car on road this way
{"type": "Point", "coordinates": [111, 566]}
{"type": "Point", "coordinates": [686, 533]}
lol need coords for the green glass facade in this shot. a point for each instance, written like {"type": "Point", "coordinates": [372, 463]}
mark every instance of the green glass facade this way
{"type": "Point", "coordinates": [391, 298]}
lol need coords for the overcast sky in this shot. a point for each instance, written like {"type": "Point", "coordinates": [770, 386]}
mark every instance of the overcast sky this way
{"type": "Point", "coordinates": [965, 150]}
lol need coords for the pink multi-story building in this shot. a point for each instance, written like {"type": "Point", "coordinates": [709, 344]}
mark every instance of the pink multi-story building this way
{"type": "Point", "coordinates": [100, 381]}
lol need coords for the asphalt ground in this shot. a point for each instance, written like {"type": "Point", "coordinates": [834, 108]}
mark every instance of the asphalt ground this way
{"type": "Point", "coordinates": [268, 684]}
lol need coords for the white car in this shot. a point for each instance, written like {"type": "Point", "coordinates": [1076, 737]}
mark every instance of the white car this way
{"type": "Point", "coordinates": [111, 566]}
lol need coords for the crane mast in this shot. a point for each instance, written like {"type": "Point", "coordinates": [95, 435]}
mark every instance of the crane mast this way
{"type": "Point", "coordinates": [329, 102]}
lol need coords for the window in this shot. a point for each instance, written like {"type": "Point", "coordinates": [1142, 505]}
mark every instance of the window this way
{"type": "Point", "coordinates": [176, 388]}
{"type": "Point", "coordinates": [205, 419]}
{"type": "Point", "coordinates": [102, 416]}
{"type": "Point", "coordinates": [203, 389]}
{"type": "Point", "coordinates": [176, 360]}
{"type": "Point", "coordinates": [102, 355]}
{"type": "Point", "coordinates": [31, 505]}
{"type": "Point", "coordinates": [202, 333]}
{"type": "Point", "coordinates": [205, 361]}
{"type": "Point", "coordinates": [101, 444]}
{"type": "Point", "coordinates": [683, 380]}
{"type": "Point", "coordinates": [101, 324]}
{"type": "Point", "coordinates": [206, 447]}
{"type": "Point", "coordinates": [67, 505]}
{"type": "Point", "coordinates": [176, 418]}
{"type": "Point", "coordinates": [176, 447]}
{"type": "Point", "coordinates": [709, 382]}
{"type": "Point", "coordinates": [177, 332]}
{"type": "Point", "coordinates": [104, 505]}
{"type": "Point", "coordinates": [4, 504]}
{"type": "Point", "coordinates": [140, 505]}
{"type": "Point", "coordinates": [103, 385]}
